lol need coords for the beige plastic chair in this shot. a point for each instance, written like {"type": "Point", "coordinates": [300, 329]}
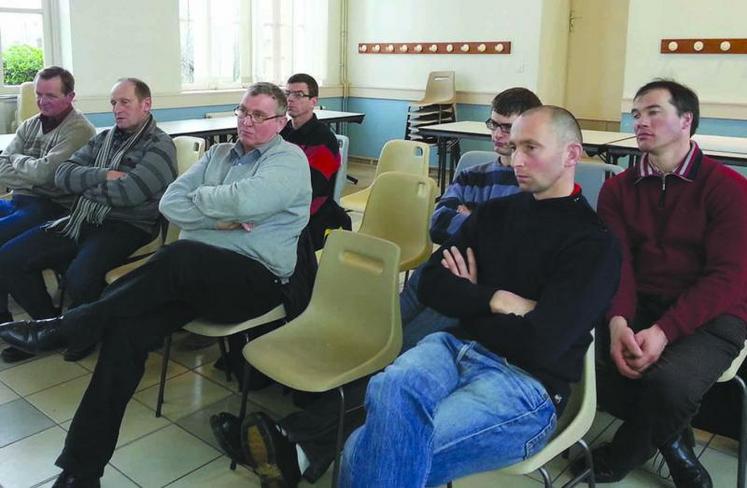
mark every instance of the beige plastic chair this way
{"type": "Point", "coordinates": [399, 210]}
{"type": "Point", "coordinates": [731, 375]}
{"type": "Point", "coordinates": [396, 155]}
{"type": "Point", "coordinates": [440, 90]}
{"type": "Point", "coordinates": [348, 331]}
{"type": "Point", "coordinates": [573, 424]}
{"type": "Point", "coordinates": [342, 173]}
{"type": "Point", "coordinates": [189, 150]}
{"type": "Point", "coordinates": [26, 102]}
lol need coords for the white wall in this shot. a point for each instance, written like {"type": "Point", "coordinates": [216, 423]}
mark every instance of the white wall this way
{"type": "Point", "coordinates": [719, 80]}
{"type": "Point", "coordinates": [447, 20]}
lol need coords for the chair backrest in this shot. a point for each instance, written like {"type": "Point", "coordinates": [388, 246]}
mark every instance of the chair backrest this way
{"type": "Point", "coordinates": [342, 173]}
{"type": "Point", "coordinates": [189, 150]}
{"type": "Point", "coordinates": [405, 157]}
{"type": "Point", "coordinates": [591, 176]}
{"type": "Point", "coordinates": [399, 210]}
{"type": "Point", "coordinates": [473, 158]}
{"type": "Point", "coordinates": [440, 87]}
{"type": "Point", "coordinates": [26, 102]}
{"type": "Point", "coordinates": [369, 313]}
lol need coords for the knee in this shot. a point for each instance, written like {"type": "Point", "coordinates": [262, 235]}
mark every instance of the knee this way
{"type": "Point", "coordinates": [181, 251]}
{"type": "Point", "coordinates": [670, 392]}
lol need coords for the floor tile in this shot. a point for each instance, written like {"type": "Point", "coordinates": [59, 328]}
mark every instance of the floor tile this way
{"type": "Point", "coordinates": [4, 365]}
{"type": "Point", "coordinates": [722, 467]}
{"type": "Point", "coordinates": [6, 394]}
{"type": "Point", "coordinates": [198, 423]}
{"type": "Point", "coordinates": [193, 359]}
{"type": "Point", "coordinates": [184, 395]}
{"type": "Point", "coordinates": [37, 454]}
{"type": "Point", "coordinates": [218, 475]}
{"type": "Point", "coordinates": [218, 376]}
{"type": "Point", "coordinates": [112, 479]}
{"type": "Point", "coordinates": [139, 421]}
{"type": "Point", "coordinates": [60, 402]}
{"type": "Point", "coordinates": [162, 457]}
{"type": "Point", "coordinates": [40, 374]}
{"type": "Point", "coordinates": [19, 419]}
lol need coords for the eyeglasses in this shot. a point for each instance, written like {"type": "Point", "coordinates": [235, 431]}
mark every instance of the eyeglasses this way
{"type": "Point", "coordinates": [296, 94]}
{"type": "Point", "coordinates": [493, 125]}
{"type": "Point", "coordinates": [255, 117]}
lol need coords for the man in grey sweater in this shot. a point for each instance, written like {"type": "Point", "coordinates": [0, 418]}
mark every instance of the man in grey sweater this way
{"type": "Point", "coordinates": [117, 180]}
{"type": "Point", "coordinates": [28, 163]}
{"type": "Point", "coordinates": [241, 209]}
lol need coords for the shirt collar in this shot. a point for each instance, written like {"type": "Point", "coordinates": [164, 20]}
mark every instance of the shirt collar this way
{"type": "Point", "coordinates": [684, 171]}
{"type": "Point", "coordinates": [240, 152]}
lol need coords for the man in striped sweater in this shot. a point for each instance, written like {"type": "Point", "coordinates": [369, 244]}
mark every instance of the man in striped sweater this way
{"type": "Point", "coordinates": [118, 179]}
{"type": "Point", "coordinates": [28, 163]}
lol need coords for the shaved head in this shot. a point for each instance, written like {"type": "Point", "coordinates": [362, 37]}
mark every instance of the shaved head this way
{"type": "Point", "coordinates": [563, 122]}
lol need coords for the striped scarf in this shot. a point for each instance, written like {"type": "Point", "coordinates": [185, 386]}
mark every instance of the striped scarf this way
{"type": "Point", "coordinates": [85, 210]}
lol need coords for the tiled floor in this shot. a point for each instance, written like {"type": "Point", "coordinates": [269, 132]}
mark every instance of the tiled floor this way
{"type": "Point", "coordinates": [38, 399]}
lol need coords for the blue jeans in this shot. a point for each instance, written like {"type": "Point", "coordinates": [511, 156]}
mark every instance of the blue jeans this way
{"type": "Point", "coordinates": [16, 217]}
{"type": "Point", "coordinates": [418, 320]}
{"type": "Point", "coordinates": [445, 409]}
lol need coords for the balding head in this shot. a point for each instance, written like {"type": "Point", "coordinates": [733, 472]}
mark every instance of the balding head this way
{"type": "Point", "coordinates": [563, 123]}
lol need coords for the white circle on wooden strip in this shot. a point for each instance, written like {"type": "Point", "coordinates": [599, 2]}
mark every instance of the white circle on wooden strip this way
{"type": "Point", "coordinates": [433, 48]}
{"type": "Point", "coordinates": [464, 48]}
{"type": "Point", "coordinates": [418, 48]}
{"type": "Point", "coordinates": [363, 48]}
{"type": "Point", "coordinates": [376, 48]}
{"type": "Point", "coordinates": [449, 47]}
{"type": "Point", "coordinates": [403, 48]}
{"type": "Point", "coordinates": [672, 46]}
{"type": "Point", "coordinates": [499, 47]}
{"type": "Point", "coordinates": [481, 48]}
{"type": "Point", "coordinates": [725, 45]}
{"type": "Point", "coordinates": [698, 46]}
{"type": "Point", "coordinates": [390, 48]}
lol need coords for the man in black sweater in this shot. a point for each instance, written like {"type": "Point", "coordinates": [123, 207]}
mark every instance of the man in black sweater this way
{"type": "Point", "coordinates": [489, 395]}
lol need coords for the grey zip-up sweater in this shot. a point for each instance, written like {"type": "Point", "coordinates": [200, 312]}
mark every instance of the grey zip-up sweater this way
{"type": "Point", "coordinates": [150, 166]}
{"type": "Point", "coordinates": [28, 163]}
{"type": "Point", "coordinates": [268, 189]}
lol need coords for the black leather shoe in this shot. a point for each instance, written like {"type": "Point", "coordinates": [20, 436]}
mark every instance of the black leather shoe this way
{"type": "Point", "coordinates": [13, 355]}
{"type": "Point", "coordinates": [74, 354]}
{"type": "Point", "coordinates": [33, 336]}
{"type": "Point", "coordinates": [69, 480]}
{"type": "Point", "coordinates": [269, 453]}
{"type": "Point", "coordinates": [684, 466]}
{"type": "Point", "coordinates": [604, 470]}
{"type": "Point", "coordinates": [226, 431]}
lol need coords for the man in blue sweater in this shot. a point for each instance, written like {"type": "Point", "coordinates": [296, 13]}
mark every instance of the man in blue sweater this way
{"type": "Point", "coordinates": [241, 209]}
{"type": "Point", "coordinates": [489, 395]}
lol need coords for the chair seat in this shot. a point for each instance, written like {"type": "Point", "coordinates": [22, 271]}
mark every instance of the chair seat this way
{"type": "Point", "coordinates": [356, 201]}
{"type": "Point", "coordinates": [304, 358]}
{"type": "Point", "coordinates": [729, 374]}
{"type": "Point", "coordinates": [122, 270]}
{"type": "Point", "coordinates": [213, 329]}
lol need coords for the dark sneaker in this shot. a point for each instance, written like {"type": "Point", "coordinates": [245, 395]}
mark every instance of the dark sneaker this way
{"type": "Point", "coordinates": [269, 453]}
{"type": "Point", "coordinates": [14, 355]}
{"type": "Point", "coordinates": [604, 471]}
{"type": "Point", "coordinates": [226, 431]}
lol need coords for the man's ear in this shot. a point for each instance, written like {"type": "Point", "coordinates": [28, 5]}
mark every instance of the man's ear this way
{"type": "Point", "coordinates": [687, 121]}
{"type": "Point", "coordinates": [574, 152]}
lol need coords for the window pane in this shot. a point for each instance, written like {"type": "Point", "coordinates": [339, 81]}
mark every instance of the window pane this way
{"type": "Point", "coordinates": [24, 4]}
{"type": "Point", "coordinates": [22, 48]}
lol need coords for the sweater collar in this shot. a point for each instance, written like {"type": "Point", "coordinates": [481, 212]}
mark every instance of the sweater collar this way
{"type": "Point", "coordinates": [686, 170]}
{"type": "Point", "coordinates": [304, 129]}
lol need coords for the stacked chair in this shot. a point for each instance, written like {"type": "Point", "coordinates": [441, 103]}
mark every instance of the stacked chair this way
{"type": "Point", "coordinates": [438, 106]}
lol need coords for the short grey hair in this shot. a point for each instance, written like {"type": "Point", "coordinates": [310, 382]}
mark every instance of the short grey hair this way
{"type": "Point", "coordinates": [271, 90]}
{"type": "Point", "coordinates": [564, 123]}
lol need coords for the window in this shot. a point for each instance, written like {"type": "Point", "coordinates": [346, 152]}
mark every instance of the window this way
{"type": "Point", "coordinates": [25, 35]}
{"type": "Point", "coordinates": [230, 43]}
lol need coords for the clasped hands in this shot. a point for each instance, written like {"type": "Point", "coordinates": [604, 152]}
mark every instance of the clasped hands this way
{"type": "Point", "coordinates": [633, 353]}
{"type": "Point", "coordinates": [502, 301]}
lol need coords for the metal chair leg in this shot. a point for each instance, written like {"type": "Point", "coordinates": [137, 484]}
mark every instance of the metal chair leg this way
{"type": "Point", "coordinates": [545, 477]}
{"type": "Point", "coordinates": [742, 455]}
{"type": "Point", "coordinates": [164, 368]}
{"type": "Point", "coordinates": [339, 445]}
{"type": "Point", "coordinates": [224, 356]}
{"type": "Point", "coordinates": [244, 400]}
{"type": "Point", "coordinates": [589, 462]}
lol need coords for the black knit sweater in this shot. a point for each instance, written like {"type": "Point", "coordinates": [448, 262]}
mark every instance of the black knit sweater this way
{"type": "Point", "coordinates": [554, 251]}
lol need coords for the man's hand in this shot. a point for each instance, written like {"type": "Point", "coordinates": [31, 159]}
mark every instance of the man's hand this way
{"type": "Point", "coordinates": [112, 175]}
{"type": "Point", "coordinates": [462, 209]}
{"type": "Point", "coordinates": [624, 347]}
{"type": "Point", "coordinates": [504, 301]}
{"type": "Point", "coordinates": [652, 342]}
{"type": "Point", "coordinates": [221, 225]}
{"type": "Point", "coordinates": [454, 262]}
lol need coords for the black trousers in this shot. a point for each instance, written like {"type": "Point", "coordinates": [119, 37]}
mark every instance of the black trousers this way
{"type": "Point", "coordinates": [181, 282]}
{"type": "Point", "coordinates": [658, 406]}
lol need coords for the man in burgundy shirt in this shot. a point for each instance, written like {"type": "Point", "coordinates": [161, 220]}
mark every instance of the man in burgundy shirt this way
{"type": "Point", "coordinates": [678, 318]}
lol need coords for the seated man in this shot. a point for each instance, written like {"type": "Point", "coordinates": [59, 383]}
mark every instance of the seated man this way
{"type": "Point", "coordinates": [118, 179]}
{"type": "Point", "coordinates": [453, 406]}
{"type": "Point", "coordinates": [28, 163]}
{"type": "Point", "coordinates": [322, 150]}
{"type": "Point", "coordinates": [678, 319]}
{"type": "Point", "coordinates": [241, 209]}
{"type": "Point", "coordinates": [470, 188]}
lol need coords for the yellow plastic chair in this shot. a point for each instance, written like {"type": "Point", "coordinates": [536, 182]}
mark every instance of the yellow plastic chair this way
{"type": "Point", "coordinates": [348, 331]}
{"type": "Point", "coordinates": [439, 90]}
{"type": "Point", "coordinates": [189, 150]}
{"type": "Point", "coordinates": [399, 210]}
{"type": "Point", "coordinates": [396, 155]}
{"type": "Point", "coordinates": [26, 102]}
{"type": "Point", "coordinates": [731, 375]}
{"type": "Point", "coordinates": [573, 425]}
